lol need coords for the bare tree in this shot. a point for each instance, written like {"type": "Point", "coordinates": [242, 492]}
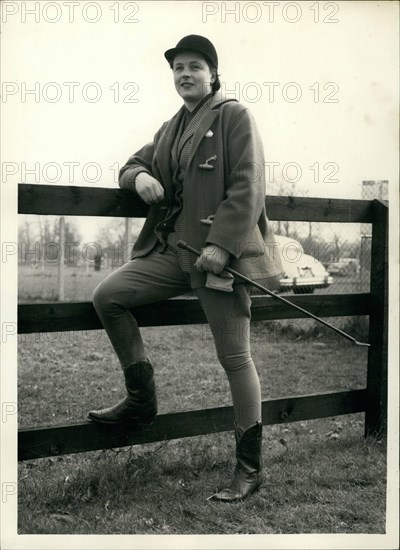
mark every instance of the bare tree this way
{"type": "Point", "coordinates": [338, 245]}
{"type": "Point", "coordinates": [116, 238]}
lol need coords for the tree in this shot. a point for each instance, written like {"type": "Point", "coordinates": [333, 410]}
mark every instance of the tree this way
{"type": "Point", "coordinates": [29, 250]}
{"type": "Point", "coordinates": [72, 239]}
{"type": "Point", "coordinates": [338, 246]}
{"type": "Point", "coordinates": [113, 240]}
{"type": "Point", "coordinates": [289, 189]}
{"type": "Point", "coordinates": [44, 241]}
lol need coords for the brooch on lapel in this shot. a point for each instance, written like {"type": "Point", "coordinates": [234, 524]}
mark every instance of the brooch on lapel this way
{"type": "Point", "coordinates": [209, 134]}
{"type": "Point", "coordinates": [206, 165]}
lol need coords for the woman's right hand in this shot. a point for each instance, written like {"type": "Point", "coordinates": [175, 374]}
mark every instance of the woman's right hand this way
{"type": "Point", "coordinates": [148, 188]}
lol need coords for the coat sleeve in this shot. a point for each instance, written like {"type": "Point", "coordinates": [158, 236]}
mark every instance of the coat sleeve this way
{"type": "Point", "coordinates": [141, 161]}
{"type": "Point", "coordinates": [238, 214]}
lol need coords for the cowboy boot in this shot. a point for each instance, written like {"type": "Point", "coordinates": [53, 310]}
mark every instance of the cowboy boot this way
{"type": "Point", "coordinates": [140, 405]}
{"type": "Point", "coordinates": [248, 474]}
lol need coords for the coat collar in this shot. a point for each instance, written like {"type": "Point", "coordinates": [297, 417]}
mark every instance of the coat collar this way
{"type": "Point", "coordinates": [166, 141]}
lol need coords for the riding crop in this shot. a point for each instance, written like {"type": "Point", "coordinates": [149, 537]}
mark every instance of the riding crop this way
{"type": "Point", "coordinates": [183, 244]}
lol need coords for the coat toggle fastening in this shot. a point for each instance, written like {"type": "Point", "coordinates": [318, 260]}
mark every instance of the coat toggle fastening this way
{"type": "Point", "coordinates": [206, 166]}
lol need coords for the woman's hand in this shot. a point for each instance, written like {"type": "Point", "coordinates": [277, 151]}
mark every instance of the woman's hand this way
{"type": "Point", "coordinates": [213, 258]}
{"type": "Point", "coordinates": [148, 188]}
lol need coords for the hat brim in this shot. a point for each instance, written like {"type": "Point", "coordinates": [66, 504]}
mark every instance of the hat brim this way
{"type": "Point", "coordinates": [173, 52]}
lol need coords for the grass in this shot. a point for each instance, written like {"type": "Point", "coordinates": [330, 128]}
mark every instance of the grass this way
{"type": "Point", "coordinates": [35, 285]}
{"type": "Point", "coordinates": [163, 489]}
{"type": "Point", "coordinates": [62, 375]}
{"type": "Point", "coordinates": [322, 476]}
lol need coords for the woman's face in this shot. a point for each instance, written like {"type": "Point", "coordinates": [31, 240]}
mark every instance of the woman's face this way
{"type": "Point", "coordinates": [192, 77]}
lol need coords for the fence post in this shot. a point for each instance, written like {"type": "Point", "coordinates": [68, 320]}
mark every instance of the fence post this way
{"type": "Point", "coordinates": [376, 412]}
{"type": "Point", "coordinates": [127, 238]}
{"type": "Point", "coordinates": [61, 264]}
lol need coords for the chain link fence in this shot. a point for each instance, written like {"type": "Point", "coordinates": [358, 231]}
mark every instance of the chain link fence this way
{"type": "Point", "coordinates": [336, 255]}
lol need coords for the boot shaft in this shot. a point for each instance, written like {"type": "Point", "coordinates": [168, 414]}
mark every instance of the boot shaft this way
{"type": "Point", "coordinates": [248, 474]}
{"type": "Point", "coordinates": [140, 405]}
{"type": "Point", "coordinates": [249, 448]}
{"type": "Point", "coordinates": [139, 379]}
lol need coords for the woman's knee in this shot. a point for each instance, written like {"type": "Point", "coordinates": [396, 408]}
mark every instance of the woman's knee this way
{"type": "Point", "coordinates": [232, 362]}
{"type": "Point", "coordinates": [102, 297]}
{"type": "Point", "coordinates": [111, 296]}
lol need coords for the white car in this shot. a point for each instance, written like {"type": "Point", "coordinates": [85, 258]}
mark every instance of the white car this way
{"type": "Point", "coordinates": [302, 272]}
{"type": "Point", "coordinates": [345, 266]}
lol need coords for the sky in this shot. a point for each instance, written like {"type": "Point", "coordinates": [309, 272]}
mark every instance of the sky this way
{"type": "Point", "coordinates": [321, 79]}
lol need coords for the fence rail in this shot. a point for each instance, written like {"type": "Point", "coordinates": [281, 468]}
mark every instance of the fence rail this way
{"type": "Point", "coordinates": [87, 436]}
{"type": "Point", "coordinates": [95, 201]}
{"type": "Point", "coordinates": [38, 442]}
{"type": "Point", "coordinates": [60, 317]}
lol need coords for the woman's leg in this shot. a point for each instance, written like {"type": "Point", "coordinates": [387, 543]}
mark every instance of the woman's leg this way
{"type": "Point", "coordinates": [141, 281]}
{"type": "Point", "coordinates": [229, 317]}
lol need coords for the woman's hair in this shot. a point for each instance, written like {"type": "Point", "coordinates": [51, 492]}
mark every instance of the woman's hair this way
{"type": "Point", "coordinates": [216, 85]}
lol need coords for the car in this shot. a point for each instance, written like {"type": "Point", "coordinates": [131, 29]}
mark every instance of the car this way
{"type": "Point", "coordinates": [344, 266]}
{"type": "Point", "coordinates": [336, 268]}
{"type": "Point", "coordinates": [302, 273]}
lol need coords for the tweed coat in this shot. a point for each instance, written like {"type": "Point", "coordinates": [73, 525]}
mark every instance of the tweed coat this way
{"type": "Point", "coordinates": [231, 193]}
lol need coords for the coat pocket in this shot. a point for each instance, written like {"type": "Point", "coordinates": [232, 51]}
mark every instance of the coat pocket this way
{"type": "Point", "coordinates": [254, 246]}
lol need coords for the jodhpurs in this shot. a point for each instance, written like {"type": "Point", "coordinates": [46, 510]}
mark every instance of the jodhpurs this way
{"type": "Point", "coordinates": [157, 277]}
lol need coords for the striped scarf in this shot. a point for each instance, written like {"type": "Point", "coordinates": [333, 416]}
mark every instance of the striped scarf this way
{"type": "Point", "coordinates": [180, 154]}
{"type": "Point", "coordinates": [183, 143]}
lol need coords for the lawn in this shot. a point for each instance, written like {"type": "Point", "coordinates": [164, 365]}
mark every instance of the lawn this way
{"type": "Point", "coordinates": [322, 476]}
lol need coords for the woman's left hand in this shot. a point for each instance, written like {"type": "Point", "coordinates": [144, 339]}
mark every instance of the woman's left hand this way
{"type": "Point", "coordinates": [213, 258]}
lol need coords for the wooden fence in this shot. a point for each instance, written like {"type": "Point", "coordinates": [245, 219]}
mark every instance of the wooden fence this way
{"type": "Point", "coordinates": [38, 442]}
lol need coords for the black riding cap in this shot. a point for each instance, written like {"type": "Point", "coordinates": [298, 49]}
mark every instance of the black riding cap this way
{"type": "Point", "coordinates": [195, 43]}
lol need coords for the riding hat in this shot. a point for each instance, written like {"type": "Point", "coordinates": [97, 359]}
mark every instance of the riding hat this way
{"type": "Point", "coordinates": [195, 43]}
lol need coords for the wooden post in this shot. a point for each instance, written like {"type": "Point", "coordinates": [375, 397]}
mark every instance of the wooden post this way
{"type": "Point", "coordinates": [61, 264]}
{"type": "Point", "coordinates": [377, 382]}
{"type": "Point", "coordinates": [42, 265]}
{"type": "Point", "coordinates": [128, 233]}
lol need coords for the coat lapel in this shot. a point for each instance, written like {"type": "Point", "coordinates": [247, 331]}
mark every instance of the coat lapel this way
{"type": "Point", "coordinates": [202, 128]}
{"type": "Point", "coordinates": [163, 151]}
{"type": "Point", "coordinates": [193, 124]}
{"type": "Point", "coordinates": [205, 123]}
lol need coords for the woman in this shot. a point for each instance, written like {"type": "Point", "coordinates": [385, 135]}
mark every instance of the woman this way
{"type": "Point", "coordinates": [203, 177]}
